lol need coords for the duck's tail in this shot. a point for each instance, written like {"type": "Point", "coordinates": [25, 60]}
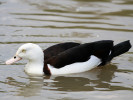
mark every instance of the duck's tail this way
{"type": "Point", "coordinates": [119, 49]}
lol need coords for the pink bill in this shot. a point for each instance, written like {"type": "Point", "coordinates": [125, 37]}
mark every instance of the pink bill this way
{"type": "Point", "coordinates": [13, 60]}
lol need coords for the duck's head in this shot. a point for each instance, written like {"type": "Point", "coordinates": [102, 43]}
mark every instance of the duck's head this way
{"type": "Point", "coordinates": [28, 51]}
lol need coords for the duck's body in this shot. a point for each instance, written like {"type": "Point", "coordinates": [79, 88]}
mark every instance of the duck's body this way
{"type": "Point", "coordinates": [67, 58]}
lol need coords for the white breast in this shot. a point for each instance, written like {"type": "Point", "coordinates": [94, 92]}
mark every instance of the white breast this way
{"type": "Point", "coordinates": [76, 67]}
{"type": "Point", "coordinates": [34, 69]}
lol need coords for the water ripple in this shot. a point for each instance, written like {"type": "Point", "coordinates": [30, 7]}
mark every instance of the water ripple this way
{"type": "Point", "coordinates": [48, 22]}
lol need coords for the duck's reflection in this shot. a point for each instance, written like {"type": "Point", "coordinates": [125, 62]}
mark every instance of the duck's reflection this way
{"type": "Point", "coordinates": [88, 81]}
{"type": "Point", "coordinates": [96, 79]}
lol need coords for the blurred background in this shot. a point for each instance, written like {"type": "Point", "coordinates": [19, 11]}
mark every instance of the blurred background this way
{"type": "Point", "coordinates": [48, 22]}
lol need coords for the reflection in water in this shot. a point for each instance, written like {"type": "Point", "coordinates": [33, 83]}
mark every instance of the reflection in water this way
{"type": "Point", "coordinates": [88, 81]}
{"type": "Point", "coordinates": [98, 79]}
{"type": "Point", "coordinates": [47, 22]}
{"type": "Point", "coordinates": [27, 89]}
{"type": "Point", "coordinates": [32, 88]}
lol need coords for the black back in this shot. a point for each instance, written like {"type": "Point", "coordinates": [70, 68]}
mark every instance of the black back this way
{"type": "Point", "coordinates": [82, 53]}
{"type": "Point", "coordinates": [58, 48]}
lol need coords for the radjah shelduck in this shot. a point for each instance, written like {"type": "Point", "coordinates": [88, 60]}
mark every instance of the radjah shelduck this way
{"type": "Point", "coordinates": [68, 58]}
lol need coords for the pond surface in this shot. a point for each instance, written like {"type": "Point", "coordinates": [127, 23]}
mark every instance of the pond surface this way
{"type": "Point", "coordinates": [48, 22]}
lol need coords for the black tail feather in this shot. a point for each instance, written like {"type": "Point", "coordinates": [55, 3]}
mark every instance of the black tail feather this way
{"type": "Point", "coordinates": [120, 49]}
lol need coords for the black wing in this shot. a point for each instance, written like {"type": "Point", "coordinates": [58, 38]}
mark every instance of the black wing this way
{"type": "Point", "coordinates": [58, 48]}
{"type": "Point", "coordinates": [82, 53]}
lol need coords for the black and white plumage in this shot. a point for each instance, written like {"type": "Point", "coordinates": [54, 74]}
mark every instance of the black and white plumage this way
{"type": "Point", "coordinates": [69, 57]}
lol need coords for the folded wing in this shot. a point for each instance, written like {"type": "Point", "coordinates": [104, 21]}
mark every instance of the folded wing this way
{"type": "Point", "coordinates": [58, 48]}
{"type": "Point", "coordinates": [82, 53]}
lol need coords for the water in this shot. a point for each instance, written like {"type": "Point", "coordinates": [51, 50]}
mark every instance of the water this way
{"type": "Point", "coordinates": [48, 22]}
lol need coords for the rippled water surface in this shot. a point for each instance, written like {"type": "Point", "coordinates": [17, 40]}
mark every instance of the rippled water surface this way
{"type": "Point", "coordinates": [48, 22]}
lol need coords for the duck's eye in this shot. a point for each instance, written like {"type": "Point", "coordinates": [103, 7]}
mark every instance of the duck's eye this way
{"type": "Point", "coordinates": [23, 50]}
{"type": "Point", "coordinates": [14, 57]}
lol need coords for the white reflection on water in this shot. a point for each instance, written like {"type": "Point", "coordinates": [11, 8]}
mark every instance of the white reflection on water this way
{"type": "Point", "coordinates": [47, 22]}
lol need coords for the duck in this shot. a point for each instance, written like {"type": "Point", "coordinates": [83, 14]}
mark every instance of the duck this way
{"type": "Point", "coordinates": [68, 57]}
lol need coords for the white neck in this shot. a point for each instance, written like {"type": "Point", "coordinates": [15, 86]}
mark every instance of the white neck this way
{"type": "Point", "coordinates": [34, 67]}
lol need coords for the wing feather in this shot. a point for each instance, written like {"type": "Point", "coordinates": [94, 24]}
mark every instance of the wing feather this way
{"type": "Point", "coordinates": [81, 53]}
